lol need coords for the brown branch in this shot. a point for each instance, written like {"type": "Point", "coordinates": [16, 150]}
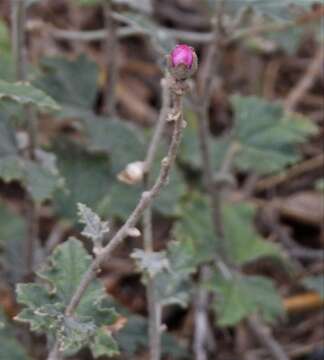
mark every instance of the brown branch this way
{"type": "Point", "coordinates": [18, 20]}
{"type": "Point", "coordinates": [265, 338]}
{"type": "Point", "coordinates": [111, 54]}
{"type": "Point", "coordinates": [306, 82]}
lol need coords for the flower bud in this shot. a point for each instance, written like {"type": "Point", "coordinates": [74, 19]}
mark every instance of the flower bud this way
{"type": "Point", "coordinates": [182, 54]}
{"type": "Point", "coordinates": [133, 173]}
{"type": "Point", "coordinates": [133, 232]}
{"type": "Point", "coordinates": [182, 62]}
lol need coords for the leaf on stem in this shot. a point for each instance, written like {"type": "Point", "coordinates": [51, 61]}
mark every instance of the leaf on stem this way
{"type": "Point", "coordinates": [45, 303]}
{"type": "Point", "coordinates": [150, 263]}
{"type": "Point", "coordinates": [95, 229]}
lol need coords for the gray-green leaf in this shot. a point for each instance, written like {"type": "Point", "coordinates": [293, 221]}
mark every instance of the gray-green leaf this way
{"type": "Point", "coordinates": [241, 296]}
{"type": "Point", "coordinates": [45, 303]}
{"type": "Point", "coordinates": [26, 94]}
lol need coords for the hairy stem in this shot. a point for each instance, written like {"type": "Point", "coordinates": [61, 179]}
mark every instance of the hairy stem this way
{"type": "Point", "coordinates": [19, 54]}
{"type": "Point", "coordinates": [145, 201]}
{"type": "Point", "coordinates": [154, 307]}
{"type": "Point", "coordinates": [18, 14]}
{"type": "Point", "coordinates": [111, 50]}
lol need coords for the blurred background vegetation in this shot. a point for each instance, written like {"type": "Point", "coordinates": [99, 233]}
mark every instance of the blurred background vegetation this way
{"type": "Point", "coordinates": [95, 69]}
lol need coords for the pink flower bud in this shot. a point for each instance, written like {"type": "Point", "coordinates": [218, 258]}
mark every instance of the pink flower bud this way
{"type": "Point", "coordinates": [182, 55]}
{"type": "Point", "coordinates": [182, 62]}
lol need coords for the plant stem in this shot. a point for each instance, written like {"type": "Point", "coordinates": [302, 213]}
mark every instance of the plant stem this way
{"type": "Point", "coordinates": [153, 146]}
{"type": "Point", "coordinates": [111, 50]}
{"type": "Point", "coordinates": [154, 307]}
{"type": "Point", "coordinates": [215, 189]}
{"type": "Point", "coordinates": [305, 83]}
{"type": "Point", "coordinates": [18, 14]}
{"type": "Point", "coordinates": [19, 54]}
{"type": "Point", "coordinates": [145, 201]}
{"type": "Point", "coordinates": [55, 353]}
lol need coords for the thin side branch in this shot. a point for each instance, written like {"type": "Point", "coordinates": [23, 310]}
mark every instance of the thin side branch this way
{"type": "Point", "coordinates": [265, 338]}
{"type": "Point", "coordinates": [151, 151]}
{"type": "Point", "coordinates": [188, 36]}
{"type": "Point", "coordinates": [306, 82]}
{"type": "Point", "coordinates": [128, 31]}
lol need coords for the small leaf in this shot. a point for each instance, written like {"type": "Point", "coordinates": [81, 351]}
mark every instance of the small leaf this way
{"type": "Point", "coordinates": [26, 94]}
{"type": "Point", "coordinates": [40, 182]}
{"type": "Point", "coordinates": [150, 263]}
{"type": "Point", "coordinates": [173, 288]}
{"type": "Point", "coordinates": [241, 296]}
{"type": "Point", "coordinates": [95, 229]}
{"type": "Point", "coordinates": [104, 344]}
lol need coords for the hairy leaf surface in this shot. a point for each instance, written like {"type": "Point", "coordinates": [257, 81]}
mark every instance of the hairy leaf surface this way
{"type": "Point", "coordinates": [45, 303]}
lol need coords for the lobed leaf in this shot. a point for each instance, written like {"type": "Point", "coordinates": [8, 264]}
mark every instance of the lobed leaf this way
{"type": "Point", "coordinates": [45, 303]}
{"type": "Point", "coordinates": [267, 136]}
{"type": "Point", "coordinates": [241, 296]}
{"type": "Point", "coordinates": [198, 244]}
{"type": "Point", "coordinates": [95, 229]}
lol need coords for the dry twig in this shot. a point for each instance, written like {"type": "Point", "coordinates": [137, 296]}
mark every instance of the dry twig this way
{"type": "Point", "coordinates": [305, 83]}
